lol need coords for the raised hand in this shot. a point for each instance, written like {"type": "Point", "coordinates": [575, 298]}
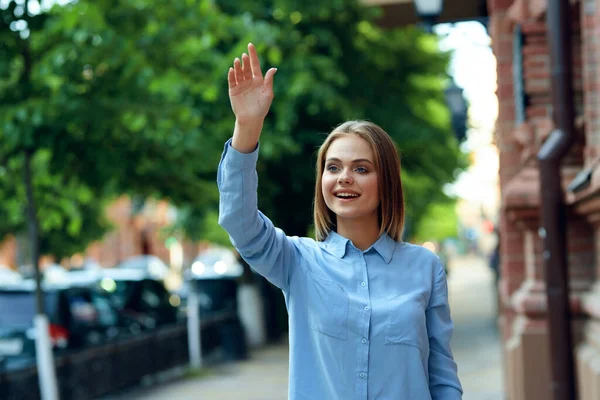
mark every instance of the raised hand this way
{"type": "Point", "coordinates": [249, 93]}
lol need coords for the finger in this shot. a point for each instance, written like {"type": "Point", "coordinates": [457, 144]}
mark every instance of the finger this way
{"type": "Point", "coordinates": [254, 61]}
{"type": "Point", "coordinates": [246, 66]}
{"type": "Point", "coordinates": [239, 74]}
{"type": "Point", "coordinates": [269, 78]}
{"type": "Point", "coordinates": [231, 78]}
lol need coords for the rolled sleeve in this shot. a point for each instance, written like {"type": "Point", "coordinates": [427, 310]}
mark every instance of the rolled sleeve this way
{"type": "Point", "coordinates": [265, 248]}
{"type": "Point", "coordinates": [234, 159]}
{"type": "Point", "coordinates": [443, 377]}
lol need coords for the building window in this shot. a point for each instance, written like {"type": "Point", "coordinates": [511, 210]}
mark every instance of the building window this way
{"type": "Point", "coordinates": [518, 76]}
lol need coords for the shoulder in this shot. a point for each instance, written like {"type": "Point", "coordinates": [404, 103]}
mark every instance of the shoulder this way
{"type": "Point", "coordinates": [304, 244]}
{"type": "Point", "coordinates": [419, 254]}
{"type": "Point", "coordinates": [415, 250]}
{"type": "Point", "coordinates": [312, 249]}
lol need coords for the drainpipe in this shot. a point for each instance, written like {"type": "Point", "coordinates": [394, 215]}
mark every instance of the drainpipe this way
{"type": "Point", "coordinates": [553, 230]}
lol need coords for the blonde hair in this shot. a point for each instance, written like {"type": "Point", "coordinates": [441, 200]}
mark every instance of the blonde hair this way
{"type": "Point", "coordinates": [387, 164]}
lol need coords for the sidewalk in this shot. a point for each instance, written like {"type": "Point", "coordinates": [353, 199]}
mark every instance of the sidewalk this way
{"type": "Point", "coordinates": [263, 377]}
{"type": "Point", "coordinates": [476, 347]}
{"type": "Point", "coordinates": [476, 341]}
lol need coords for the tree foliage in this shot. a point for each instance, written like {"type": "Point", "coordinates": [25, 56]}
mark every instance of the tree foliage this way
{"type": "Point", "coordinates": [336, 64]}
{"type": "Point", "coordinates": [439, 222]}
{"type": "Point", "coordinates": [72, 216]}
{"type": "Point", "coordinates": [130, 97]}
{"type": "Point", "coordinates": [113, 94]}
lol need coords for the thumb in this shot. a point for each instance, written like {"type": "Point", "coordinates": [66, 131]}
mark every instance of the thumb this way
{"type": "Point", "coordinates": [269, 77]}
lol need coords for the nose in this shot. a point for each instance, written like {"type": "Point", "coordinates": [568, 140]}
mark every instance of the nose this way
{"type": "Point", "coordinates": [345, 178]}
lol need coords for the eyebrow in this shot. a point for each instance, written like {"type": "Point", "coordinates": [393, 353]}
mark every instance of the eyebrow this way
{"type": "Point", "coordinates": [358, 160]}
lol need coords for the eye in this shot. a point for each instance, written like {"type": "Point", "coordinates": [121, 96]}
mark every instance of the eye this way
{"type": "Point", "coordinates": [361, 170]}
{"type": "Point", "coordinates": [332, 168]}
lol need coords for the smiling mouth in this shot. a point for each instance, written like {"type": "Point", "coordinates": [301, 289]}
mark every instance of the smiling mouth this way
{"type": "Point", "coordinates": [347, 196]}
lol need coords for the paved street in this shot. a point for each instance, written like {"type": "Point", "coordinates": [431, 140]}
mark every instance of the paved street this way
{"type": "Point", "coordinates": [476, 348]}
{"type": "Point", "coordinates": [476, 340]}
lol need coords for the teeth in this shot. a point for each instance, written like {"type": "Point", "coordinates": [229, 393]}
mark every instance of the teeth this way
{"type": "Point", "coordinates": [346, 195]}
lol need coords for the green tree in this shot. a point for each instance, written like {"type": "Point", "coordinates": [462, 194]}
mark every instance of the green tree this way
{"type": "Point", "coordinates": [440, 222]}
{"type": "Point", "coordinates": [336, 64]}
{"type": "Point", "coordinates": [130, 97]}
{"type": "Point", "coordinates": [116, 95]}
{"type": "Point", "coordinates": [70, 215]}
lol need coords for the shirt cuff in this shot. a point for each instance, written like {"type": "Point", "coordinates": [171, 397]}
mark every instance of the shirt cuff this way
{"type": "Point", "coordinates": [446, 393]}
{"type": "Point", "coordinates": [234, 158]}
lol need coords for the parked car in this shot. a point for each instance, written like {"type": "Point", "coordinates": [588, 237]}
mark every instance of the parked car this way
{"type": "Point", "coordinates": [139, 297]}
{"type": "Point", "coordinates": [150, 264]}
{"type": "Point", "coordinates": [78, 316]}
{"type": "Point", "coordinates": [7, 275]}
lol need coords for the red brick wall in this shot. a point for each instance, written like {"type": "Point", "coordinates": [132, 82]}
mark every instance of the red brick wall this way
{"type": "Point", "coordinates": [501, 33]}
{"type": "Point", "coordinates": [126, 238]}
{"type": "Point", "coordinates": [8, 252]}
{"type": "Point", "coordinates": [511, 238]}
{"type": "Point", "coordinates": [590, 33]}
{"type": "Point", "coordinates": [521, 248]}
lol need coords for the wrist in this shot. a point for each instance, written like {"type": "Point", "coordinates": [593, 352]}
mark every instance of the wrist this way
{"type": "Point", "coordinates": [248, 123]}
{"type": "Point", "coordinates": [246, 135]}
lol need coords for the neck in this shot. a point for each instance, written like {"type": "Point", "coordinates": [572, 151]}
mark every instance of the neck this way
{"type": "Point", "coordinates": [361, 232]}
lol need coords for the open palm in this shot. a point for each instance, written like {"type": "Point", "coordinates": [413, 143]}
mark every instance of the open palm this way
{"type": "Point", "coordinates": [249, 93]}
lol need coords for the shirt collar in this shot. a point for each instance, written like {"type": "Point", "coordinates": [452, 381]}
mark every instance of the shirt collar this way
{"type": "Point", "coordinates": [385, 246]}
{"type": "Point", "coordinates": [337, 244]}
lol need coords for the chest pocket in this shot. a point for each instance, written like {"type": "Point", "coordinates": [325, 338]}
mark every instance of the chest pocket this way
{"type": "Point", "coordinates": [328, 307]}
{"type": "Point", "coordinates": [406, 321]}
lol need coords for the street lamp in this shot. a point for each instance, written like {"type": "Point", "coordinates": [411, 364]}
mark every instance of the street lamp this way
{"type": "Point", "coordinates": [429, 11]}
{"type": "Point", "coordinates": [458, 109]}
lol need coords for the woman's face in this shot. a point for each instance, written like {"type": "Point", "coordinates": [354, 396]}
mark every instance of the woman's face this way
{"type": "Point", "coordinates": [349, 181]}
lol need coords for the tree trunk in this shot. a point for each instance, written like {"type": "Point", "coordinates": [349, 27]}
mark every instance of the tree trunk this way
{"type": "Point", "coordinates": [44, 356]}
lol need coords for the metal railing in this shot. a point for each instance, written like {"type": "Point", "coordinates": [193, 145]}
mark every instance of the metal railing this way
{"type": "Point", "coordinates": [107, 368]}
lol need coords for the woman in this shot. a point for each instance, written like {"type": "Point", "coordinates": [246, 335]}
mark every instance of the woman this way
{"type": "Point", "coordinates": [368, 313]}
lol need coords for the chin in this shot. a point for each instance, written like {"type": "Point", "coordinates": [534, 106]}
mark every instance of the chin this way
{"type": "Point", "coordinates": [352, 214]}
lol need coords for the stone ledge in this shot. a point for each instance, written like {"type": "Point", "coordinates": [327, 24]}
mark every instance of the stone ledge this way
{"type": "Point", "coordinates": [530, 299]}
{"type": "Point", "coordinates": [591, 301]}
{"type": "Point", "coordinates": [522, 10]}
{"type": "Point", "coordinates": [523, 190]}
{"type": "Point", "coordinates": [586, 202]}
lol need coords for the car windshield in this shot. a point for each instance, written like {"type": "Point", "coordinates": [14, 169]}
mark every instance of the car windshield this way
{"type": "Point", "coordinates": [211, 257]}
{"type": "Point", "coordinates": [17, 308]}
{"type": "Point", "coordinates": [121, 293]}
{"type": "Point", "coordinates": [135, 262]}
{"type": "Point", "coordinates": [106, 315]}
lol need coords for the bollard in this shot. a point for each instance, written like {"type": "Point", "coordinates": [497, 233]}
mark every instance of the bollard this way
{"type": "Point", "coordinates": [193, 326]}
{"type": "Point", "coordinates": [45, 359]}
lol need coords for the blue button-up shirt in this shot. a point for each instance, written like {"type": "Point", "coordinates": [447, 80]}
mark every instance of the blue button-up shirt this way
{"type": "Point", "coordinates": [364, 325]}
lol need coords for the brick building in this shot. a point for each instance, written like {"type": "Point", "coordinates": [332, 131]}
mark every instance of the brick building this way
{"type": "Point", "coordinates": [133, 234]}
{"type": "Point", "coordinates": [525, 120]}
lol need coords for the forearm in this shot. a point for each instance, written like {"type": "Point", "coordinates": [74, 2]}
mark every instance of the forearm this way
{"type": "Point", "coordinates": [246, 135]}
{"type": "Point", "coordinates": [264, 247]}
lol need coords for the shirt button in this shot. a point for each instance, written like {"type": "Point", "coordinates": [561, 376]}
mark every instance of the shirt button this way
{"type": "Point", "coordinates": [364, 340]}
{"type": "Point", "coordinates": [363, 284]}
{"type": "Point", "coordinates": [362, 374]}
{"type": "Point", "coordinates": [366, 308]}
